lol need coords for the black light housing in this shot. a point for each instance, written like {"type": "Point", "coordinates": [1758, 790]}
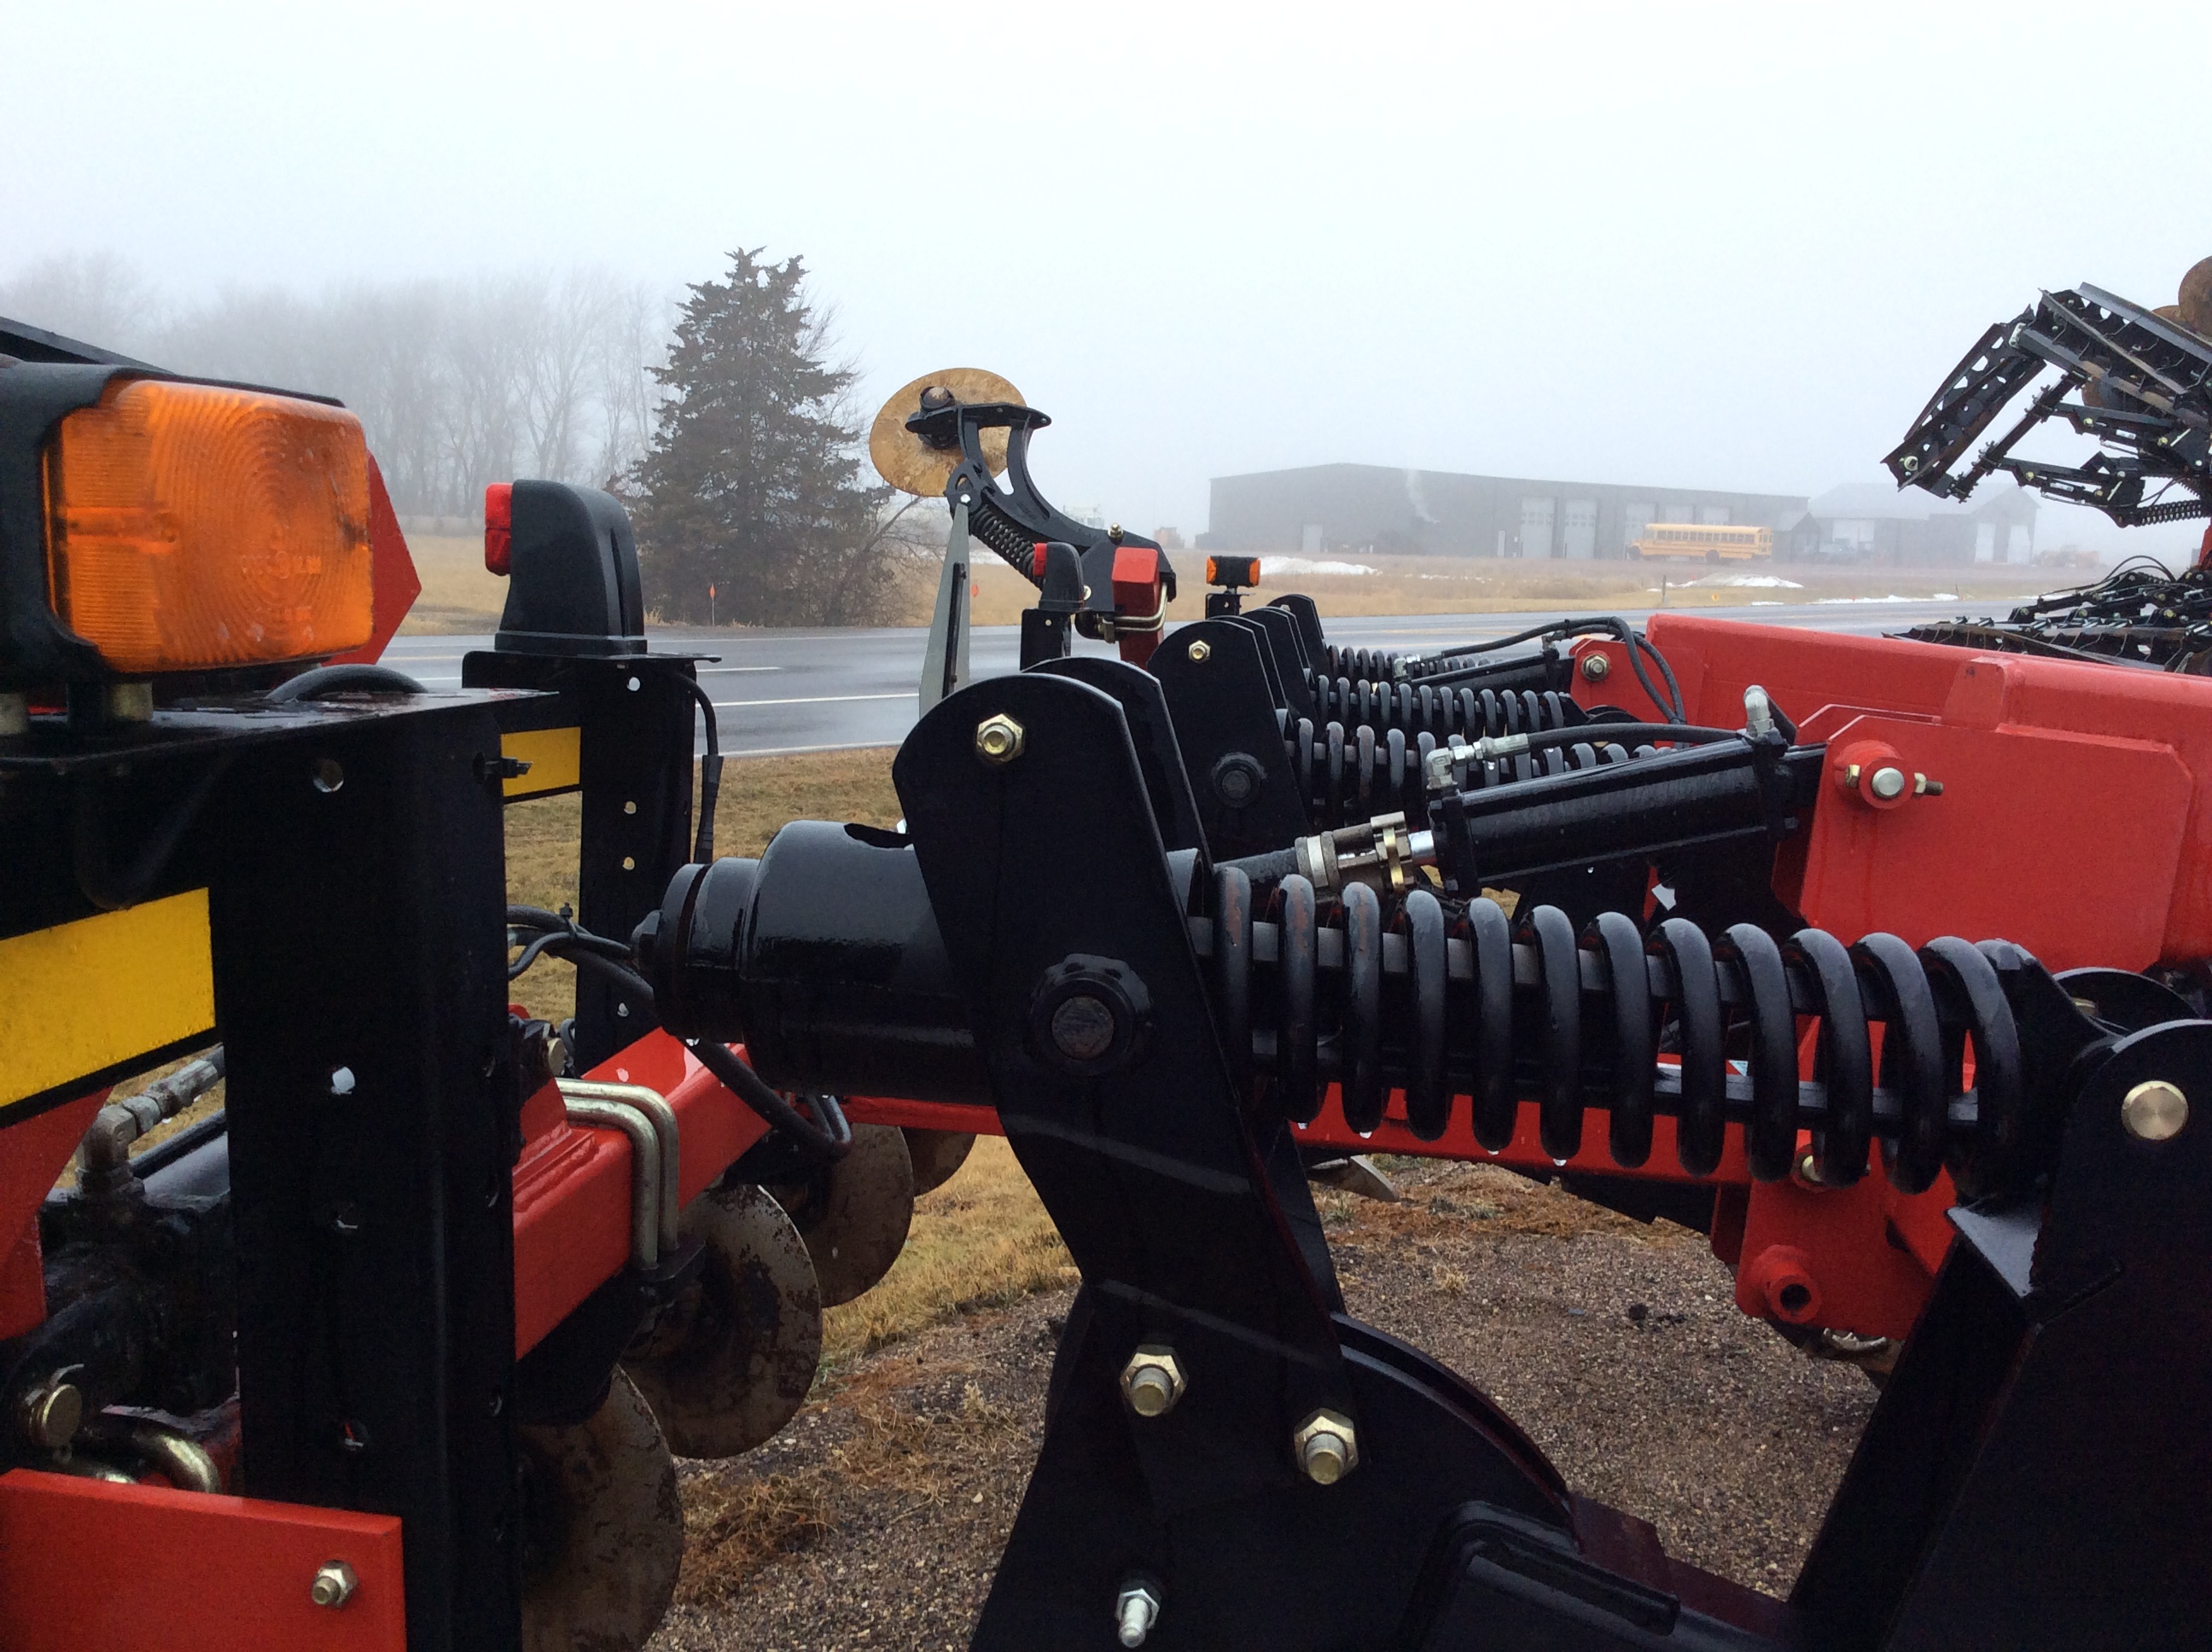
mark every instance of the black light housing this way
{"type": "Point", "coordinates": [572, 583]}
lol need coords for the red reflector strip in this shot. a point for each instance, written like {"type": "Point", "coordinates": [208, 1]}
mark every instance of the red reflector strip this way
{"type": "Point", "coordinates": [499, 527]}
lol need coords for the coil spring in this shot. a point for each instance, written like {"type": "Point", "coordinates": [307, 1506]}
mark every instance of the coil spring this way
{"type": "Point", "coordinates": [1002, 533]}
{"type": "Point", "coordinates": [1376, 664]}
{"type": "Point", "coordinates": [1450, 1001]}
{"type": "Point", "coordinates": [1420, 709]}
{"type": "Point", "coordinates": [1350, 775]}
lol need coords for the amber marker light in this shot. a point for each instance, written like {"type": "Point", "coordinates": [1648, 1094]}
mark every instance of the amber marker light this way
{"type": "Point", "coordinates": [194, 526]}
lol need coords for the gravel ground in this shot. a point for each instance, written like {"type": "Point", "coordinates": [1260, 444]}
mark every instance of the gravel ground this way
{"type": "Point", "coordinates": [876, 1520]}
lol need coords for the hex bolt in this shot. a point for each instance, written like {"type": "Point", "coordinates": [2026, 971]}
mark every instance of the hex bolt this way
{"type": "Point", "coordinates": [1199, 652]}
{"type": "Point", "coordinates": [334, 1584]}
{"type": "Point", "coordinates": [1152, 1381]}
{"type": "Point", "coordinates": [1594, 666]}
{"type": "Point", "coordinates": [999, 739]}
{"type": "Point", "coordinates": [51, 1412]}
{"type": "Point", "coordinates": [1136, 1609]}
{"type": "Point", "coordinates": [2154, 1110]}
{"type": "Point", "coordinates": [1887, 783]}
{"type": "Point", "coordinates": [1327, 1446]}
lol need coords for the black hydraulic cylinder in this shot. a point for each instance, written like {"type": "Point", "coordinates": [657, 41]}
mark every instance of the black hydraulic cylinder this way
{"type": "Point", "coordinates": [824, 956]}
{"type": "Point", "coordinates": [1657, 805]}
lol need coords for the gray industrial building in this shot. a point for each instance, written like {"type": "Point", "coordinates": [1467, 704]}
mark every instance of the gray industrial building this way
{"type": "Point", "coordinates": [1374, 508]}
{"type": "Point", "coordinates": [1874, 522]}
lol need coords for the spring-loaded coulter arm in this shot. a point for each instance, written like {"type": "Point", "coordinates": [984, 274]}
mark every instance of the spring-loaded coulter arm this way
{"type": "Point", "coordinates": [1126, 579]}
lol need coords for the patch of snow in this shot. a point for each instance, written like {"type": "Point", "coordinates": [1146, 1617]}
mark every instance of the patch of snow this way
{"type": "Point", "coordinates": [1272, 566]}
{"type": "Point", "coordinates": [1744, 582]}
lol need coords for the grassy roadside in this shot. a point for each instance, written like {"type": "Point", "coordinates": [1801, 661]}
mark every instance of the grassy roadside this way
{"type": "Point", "coordinates": [458, 595]}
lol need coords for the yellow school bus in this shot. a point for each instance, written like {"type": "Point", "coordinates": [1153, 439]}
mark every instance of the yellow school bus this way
{"type": "Point", "coordinates": [1705, 542]}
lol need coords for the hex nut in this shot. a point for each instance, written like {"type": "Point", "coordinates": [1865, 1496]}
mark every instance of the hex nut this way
{"type": "Point", "coordinates": [1327, 1447]}
{"type": "Point", "coordinates": [334, 1584]}
{"type": "Point", "coordinates": [2154, 1110]}
{"type": "Point", "coordinates": [1199, 652]}
{"type": "Point", "coordinates": [1152, 1381]}
{"type": "Point", "coordinates": [1594, 666]}
{"type": "Point", "coordinates": [999, 739]}
{"type": "Point", "coordinates": [50, 1413]}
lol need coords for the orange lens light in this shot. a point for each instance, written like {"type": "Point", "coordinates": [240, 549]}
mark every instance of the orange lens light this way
{"type": "Point", "coordinates": [191, 526]}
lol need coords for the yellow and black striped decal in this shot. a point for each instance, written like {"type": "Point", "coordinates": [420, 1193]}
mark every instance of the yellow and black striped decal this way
{"type": "Point", "coordinates": [554, 757]}
{"type": "Point", "coordinates": [85, 1003]}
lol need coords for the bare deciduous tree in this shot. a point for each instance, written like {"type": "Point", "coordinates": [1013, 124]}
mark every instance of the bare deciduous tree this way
{"type": "Point", "coordinates": [459, 383]}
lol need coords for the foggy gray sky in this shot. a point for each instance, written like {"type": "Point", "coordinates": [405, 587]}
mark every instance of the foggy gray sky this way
{"type": "Point", "coordinates": [1728, 247]}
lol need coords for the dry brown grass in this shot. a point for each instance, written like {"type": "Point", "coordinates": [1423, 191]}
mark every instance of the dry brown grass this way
{"type": "Point", "coordinates": [980, 1241]}
{"type": "Point", "coordinates": [459, 594]}
{"type": "Point", "coordinates": [886, 1452]}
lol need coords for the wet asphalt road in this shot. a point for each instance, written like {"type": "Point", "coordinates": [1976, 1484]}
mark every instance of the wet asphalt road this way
{"type": "Point", "coordinates": [800, 690]}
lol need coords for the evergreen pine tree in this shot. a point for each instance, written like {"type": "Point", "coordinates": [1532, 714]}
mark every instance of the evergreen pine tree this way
{"type": "Point", "coordinates": [753, 483]}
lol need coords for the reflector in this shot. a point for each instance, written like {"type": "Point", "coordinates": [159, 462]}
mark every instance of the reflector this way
{"type": "Point", "coordinates": [192, 525]}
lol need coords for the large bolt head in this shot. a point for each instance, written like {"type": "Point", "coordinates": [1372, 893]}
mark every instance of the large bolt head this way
{"type": "Point", "coordinates": [2154, 1111]}
{"type": "Point", "coordinates": [51, 1413]}
{"type": "Point", "coordinates": [1887, 783]}
{"type": "Point", "coordinates": [1327, 1447]}
{"type": "Point", "coordinates": [1083, 1027]}
{"type": "Point", "coordinates": [334, 1584]}
{"type": "Point", "coordinates": [999, 739]}
{"type": "Point", "coordinates": [1237, 778]}
{"type": "Point", "coordinates": [1152, 1381]}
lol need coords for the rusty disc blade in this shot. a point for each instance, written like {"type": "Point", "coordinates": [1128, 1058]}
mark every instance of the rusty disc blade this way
{"type": "Point", "coordinates": [729, 1362]}
{"type": "Point", "coordinates": [2195, 301]}
{"type": "Point", "coordinates": [603, 1531]}
{"type": "Point", "coordinates": [854, 1214]}
{"type": "Point", "coordinates": [937, 1154]}
{"type": "Point", "coordinates": [908, 463]}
